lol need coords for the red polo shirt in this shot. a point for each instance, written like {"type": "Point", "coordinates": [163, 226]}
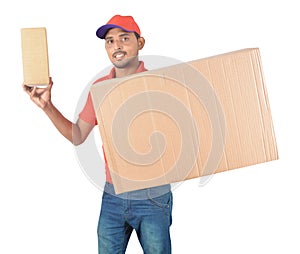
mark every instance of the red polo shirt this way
{"type": "Point", "coordinates": [88, 113]}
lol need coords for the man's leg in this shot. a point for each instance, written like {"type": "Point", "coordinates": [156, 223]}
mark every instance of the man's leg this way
{"type": "Point", "coordinates": [113, 231]}
{"type": "Point", "coordinates": [154, 224]}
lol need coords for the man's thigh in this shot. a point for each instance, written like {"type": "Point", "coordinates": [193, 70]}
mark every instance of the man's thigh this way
{"type": "Point", "coordinates": [113, 231]}
{"type": "Point", "coordinates": [154, 224]}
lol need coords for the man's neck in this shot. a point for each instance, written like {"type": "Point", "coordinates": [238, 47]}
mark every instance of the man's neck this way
{"type": "Point", "coordinates": [122, 72]}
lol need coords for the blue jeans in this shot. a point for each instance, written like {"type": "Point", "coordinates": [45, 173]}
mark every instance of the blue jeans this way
{"type": "Point", "coordinates": [147, 211]}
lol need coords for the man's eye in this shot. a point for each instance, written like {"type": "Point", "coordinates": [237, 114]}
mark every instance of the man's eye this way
{"type": "Point", "coordinates": [124, 39]}
{"type": "Point", "coordinates": [109, 41]}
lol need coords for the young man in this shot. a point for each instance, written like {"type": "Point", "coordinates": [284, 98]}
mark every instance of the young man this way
{"type": "Point", "coordinates": [147, 211]}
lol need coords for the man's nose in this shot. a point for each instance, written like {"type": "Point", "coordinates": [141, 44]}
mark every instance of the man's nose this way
{"type": "Point", "coordinates": [118, 44]}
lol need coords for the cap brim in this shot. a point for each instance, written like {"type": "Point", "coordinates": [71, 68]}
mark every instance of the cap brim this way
{"type": "Point", "coordinates": [101, 32]}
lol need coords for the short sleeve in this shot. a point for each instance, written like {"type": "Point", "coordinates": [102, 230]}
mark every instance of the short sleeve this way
{"type": "Point", "coordinates": [88, 113]}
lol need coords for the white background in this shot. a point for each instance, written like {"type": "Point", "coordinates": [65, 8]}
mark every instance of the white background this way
{"type": "Point", "coordinates": [47, 203]}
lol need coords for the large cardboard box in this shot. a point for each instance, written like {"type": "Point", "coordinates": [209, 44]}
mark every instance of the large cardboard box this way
{"type": "Point", "coordinates": [35, 56]}
{"type": "Point", "coordinates": [185, 121]}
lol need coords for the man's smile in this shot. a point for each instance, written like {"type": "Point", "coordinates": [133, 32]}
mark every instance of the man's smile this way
{"type": "Point", "coordinates": [119, 55]}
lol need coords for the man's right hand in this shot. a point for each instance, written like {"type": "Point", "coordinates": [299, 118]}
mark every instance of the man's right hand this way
{"type": "Point", "coordinates": [40, 96]}
{"type": "Point", "coordinates": [74, 132]}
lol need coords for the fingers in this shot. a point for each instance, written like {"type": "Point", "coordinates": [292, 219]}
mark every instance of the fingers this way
{"type": "Point", "coordinates": [36, 96]}
{"type": "Point", "coordinates": [30, 90]}
{"type": "Point", "coordinates": [39, 95]}
{"type": "Point", "coordinates": [27, 89]}
{"type": "Point", "coordinates": [33, 92]}
{"type": "Point", "coordinates": [49, 87]}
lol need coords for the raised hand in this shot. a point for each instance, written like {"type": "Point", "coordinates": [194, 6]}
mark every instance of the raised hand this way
{"type": "Point", "coordinates": [40, 96]}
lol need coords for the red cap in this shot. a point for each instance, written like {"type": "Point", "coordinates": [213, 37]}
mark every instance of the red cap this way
{"type": "Point", "coordinates": [125, 23]}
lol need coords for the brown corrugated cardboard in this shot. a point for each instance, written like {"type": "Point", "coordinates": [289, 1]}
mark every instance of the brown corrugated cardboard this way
{"type": "Point", "coordinates": [185, 121]}
{"type": "Point", "coordinates": [35, 56]}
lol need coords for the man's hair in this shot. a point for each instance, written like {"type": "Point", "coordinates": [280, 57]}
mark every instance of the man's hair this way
{"type": "Point", "coordinates": [137, 35]}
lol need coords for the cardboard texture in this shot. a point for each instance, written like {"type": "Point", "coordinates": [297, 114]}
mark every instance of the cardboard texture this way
{"type": "Point", "coordinates": [185, 121]}
{"type": "Point", "coordinates": [35, 56]}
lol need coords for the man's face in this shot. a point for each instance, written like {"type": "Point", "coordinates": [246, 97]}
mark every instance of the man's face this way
{"type": "Point", "coordinates": [122, 47]}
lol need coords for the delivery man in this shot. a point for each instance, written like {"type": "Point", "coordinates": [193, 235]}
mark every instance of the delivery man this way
{"type": "Point", "coordinates": [144, 211]}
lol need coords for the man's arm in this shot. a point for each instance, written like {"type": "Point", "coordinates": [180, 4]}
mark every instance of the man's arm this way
{"type": "Point", "coordinates": [76, 133]}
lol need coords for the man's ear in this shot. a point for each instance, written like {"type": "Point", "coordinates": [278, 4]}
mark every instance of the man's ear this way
{"type": "Point", "coordinates": [141, 42]}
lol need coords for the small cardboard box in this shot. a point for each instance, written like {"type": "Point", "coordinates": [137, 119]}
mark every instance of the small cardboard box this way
{"type": "Point", "coordinates": [35, 56]}
{"type": "Point", "coordinates": [185, 121]}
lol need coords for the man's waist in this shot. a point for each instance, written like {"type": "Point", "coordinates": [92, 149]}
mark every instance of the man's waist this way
{"type": "Point", "coordinates": [141, 194]}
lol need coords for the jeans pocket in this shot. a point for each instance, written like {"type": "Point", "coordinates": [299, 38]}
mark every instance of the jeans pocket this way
{"type": "Point", "coordinates": [163, 201]}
